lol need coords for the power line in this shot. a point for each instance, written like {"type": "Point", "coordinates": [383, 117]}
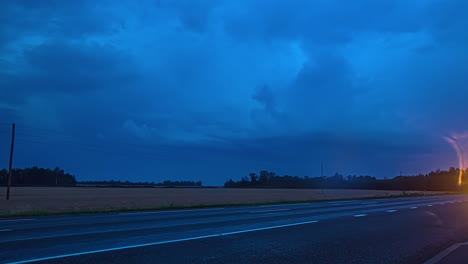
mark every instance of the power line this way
{"type": "Point", "coordinates": [70, 140]}
{"type": "Point", "coordinates": [96, 149]}
{"type": "Point", "coordinates": [10, 173]}
{"type": "Point", "coordinates": [55, 139]}
{"type": "Point", "coordinates": [27, 128]}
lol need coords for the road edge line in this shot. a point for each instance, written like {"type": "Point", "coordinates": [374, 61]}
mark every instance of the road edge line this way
{"type": "Point", "coordinates": [444, 253]}
{"type": "Point", "coordinates": [160, 242]}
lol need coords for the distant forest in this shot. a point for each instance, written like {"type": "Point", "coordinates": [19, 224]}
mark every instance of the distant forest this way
{"type": "Point", "coordinates": [38, 177]}
{"type": "Point", "coordinates": [446, 180]}
{"type": "Point", "coordinates": [433, 181]}
{"type": "Point", "coordinates": [57, 177]}
{"type": "Point", "coordinates": [141, 184]}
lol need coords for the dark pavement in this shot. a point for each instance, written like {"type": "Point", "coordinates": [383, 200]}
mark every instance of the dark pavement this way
{"type": "Point", "coordinates": [456, 254]}
{"type": "Point", "coordinates": [399, 230]}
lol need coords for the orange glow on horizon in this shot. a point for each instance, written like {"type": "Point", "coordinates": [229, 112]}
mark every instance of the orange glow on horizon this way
{"type": "Point", "coordinates": [453, 141]}
{"type": "Point", "coordinates": [460, 177]}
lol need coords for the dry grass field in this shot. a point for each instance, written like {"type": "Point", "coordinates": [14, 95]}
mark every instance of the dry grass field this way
{"type": "Point", "coordinates": [75, 199]}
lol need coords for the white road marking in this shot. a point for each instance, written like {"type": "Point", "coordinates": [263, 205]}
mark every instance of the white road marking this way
{"type": "Point", "coordinates": [391, 211]}
{"type": "Point", "coordinates": [15, 220]}
{"type": "Point", "coordinates": [271, 205]}
{"type": "Point", "coordinates": [5, 230]}
{"type": "Point", "coordinates": [137, 213]}
{"type": "Point", "coordinates": [341, 202]}
{"type": "Point", "coordinates": [172, 211]}
{"type": "Point", "coordinates": [285, 204]}
{"type": "Point", "coordinates": [193, 210]}
{"type": "Point", "coordinates": [161, 242]}
{"type": "Point", "coordinates": [267, 211]}
{"type": "Point", "coordinates": [444, 253]}
{"type": "Point", "coordinates": [360, 215]}
{"type": "Point", "coordinates": [414, 207]}
{"type": "Point", "coordinates": [429, 205]}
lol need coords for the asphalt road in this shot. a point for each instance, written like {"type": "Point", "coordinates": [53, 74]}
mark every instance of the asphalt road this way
{"type": "Point", "coordinates": [398, 230]}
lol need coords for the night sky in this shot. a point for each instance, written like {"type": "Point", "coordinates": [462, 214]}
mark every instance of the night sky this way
{"type": "Point", "coordinates": [210, 90]}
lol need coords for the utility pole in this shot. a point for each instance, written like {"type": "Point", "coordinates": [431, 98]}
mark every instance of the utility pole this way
{"type": "Point", "coordinates": [323, 179]}
{"type": "Point", "coordinates": [425, 184]}
{"type": "Point", "coordinates": [10, 173]}
{"type": "Point", "coordinates": [321, 167]}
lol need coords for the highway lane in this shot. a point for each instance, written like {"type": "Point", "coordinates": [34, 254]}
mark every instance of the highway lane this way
{"type": "Point", "coordinates": [398, 230]}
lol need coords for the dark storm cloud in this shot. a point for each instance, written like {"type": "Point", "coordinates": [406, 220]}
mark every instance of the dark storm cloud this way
{"type": "Point", "coordinates": [323, 22]}
{"type": "Point", "coordinates": [70, 68]}
{"type": "Point", "coordinates": [92, 66]}
{"type": "Point", "coordinates": [195, 15]}
{"type": "Point", "coordinates": [70, 19]}
{"type": "Point", "coordinates": [325, 81]}
{"type": "Point", "coordinates": [369, 86]}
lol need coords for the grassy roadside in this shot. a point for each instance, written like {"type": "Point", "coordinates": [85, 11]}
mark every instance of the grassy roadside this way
{"type": "Point", "coordinates": [200, 206]}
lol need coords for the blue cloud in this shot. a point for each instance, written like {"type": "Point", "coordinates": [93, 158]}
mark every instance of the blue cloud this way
{"type": "Point", "coordinates": [370, 86]}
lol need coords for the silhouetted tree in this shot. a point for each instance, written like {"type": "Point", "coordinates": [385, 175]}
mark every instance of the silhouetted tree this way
{"type": "Point", "coordinates": [253, 178]}
{"type": "Point", "coordinates": [35, 176]}
{"type": "Point", "coordinates": [434, 181]}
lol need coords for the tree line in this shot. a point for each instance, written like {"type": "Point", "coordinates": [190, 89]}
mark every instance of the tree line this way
{"type": "Point", "coordinates": [113, 183]}
{"type": "Point", "coordinates": [35, 176]}
{"type": "Point", "coordinates": [446, 180]}
{"type": "Point", "coordinates": [439, 180]}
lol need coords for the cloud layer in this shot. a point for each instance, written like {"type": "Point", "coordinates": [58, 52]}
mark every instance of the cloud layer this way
{"type": "Point", "coordinates": [215, 89]}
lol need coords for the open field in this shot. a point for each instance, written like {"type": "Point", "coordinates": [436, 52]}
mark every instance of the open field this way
{"type": "Point", "coordinates": [80, 199]}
